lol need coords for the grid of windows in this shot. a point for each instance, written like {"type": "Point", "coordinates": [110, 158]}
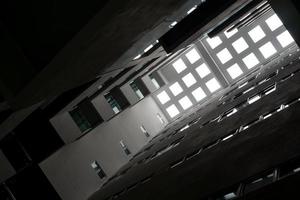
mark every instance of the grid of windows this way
{"type": "Point", "coordinates": [195, 75]}
{"type": "Point", "coordinates": [190, 81]}
{"type": "Point", "coordinates": [237, 52]}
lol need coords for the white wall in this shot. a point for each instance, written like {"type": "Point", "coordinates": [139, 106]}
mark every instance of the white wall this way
{"type": "Point", "coordinates": [69, 169]}
{"type": "Point", "coordinates": [6, 169]}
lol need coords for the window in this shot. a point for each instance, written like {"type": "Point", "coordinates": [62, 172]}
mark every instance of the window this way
{"type": "Point", "coordinates": [155, 83]}
{"type": "Point", "coordinates": [179, 66]}
{"type": "Point", "coordinates": [229, 34]}
{"type": "Point", "coordinates": [203, 70]}
{"type": "Point", "coordinates": [234, 71]}
{"type": "Point", "coordinates": [125, 148]}
{"type": "Point", "coordinates": [156, 80]}
{"type": "Point", "coordinates": [185, 103]}
{"type": "Point", "coordinates": [163, 97]}
{"type": "Point", "coordinates": [285, 39]}
{"type": "Point", "coordinates": [143, 129]}
{"type": "Point", "coordinates": [176, 89]}
{"type": "Point", "coordinates": [240, 45]}
{"type": "Point", "coordinates": [80, 120]}
{"type": "Point", "coordinates": [136, 90]}
{"type": "Point", "coordinates": [213, 85]}
{"type": "Point", "coordinates": [274, 22]}
{"type": "Point", "coordinates": [224, 56]}
{"type": "Point", "coordinates": [267, 50]}
{"type": "Point", "coordinates": [214, 42]}
{"type": "Point", "coordinates": [250, 61]}
{"type": "Point", "coordinates": [113, 103]}
{"type": "Point", "coordinates": [199, 94]}
{"type": "Point", "coordinates": [95, 165]}
{"type": "Point", "coordinates": [193, 56]}
{"type": "Point", "coordinates": [172, 111]}
{"type": "Point", "coordinates": [189, 80]}
{"type": "Point", "coordinates": [257, 34]}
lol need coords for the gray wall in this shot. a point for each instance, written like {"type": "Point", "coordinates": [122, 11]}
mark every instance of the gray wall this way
{"type": "Point", "coordinates": [129, 94]}
{"type": "Point", "coordinates": [103, 107]}
{"type": "Point", "coordinates": [6, 170]}
{"type": "Point", "coordinates": [66, 127]}
{"type": "Point", "coordinates": [69, 169]}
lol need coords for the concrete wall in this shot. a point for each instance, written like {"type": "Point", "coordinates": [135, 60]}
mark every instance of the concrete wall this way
{"type": "Point", "coordinates": [129, 94]}
{"type": "Point", "coordinates": [103, 107]}
{"type": "Point", "coordinates": [6, 169]}
{"type": "Point", "coordinates": [69, 169]}
{"type": "Point", "coordinates": [66, 127]}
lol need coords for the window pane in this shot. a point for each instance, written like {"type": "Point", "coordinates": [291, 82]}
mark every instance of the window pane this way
{"type": "Point", "coordinates": [213, 85]}
{"type": "Point", "coordinates": [185, 103]}
{"type": "Point", "coordinates": [267, 50]}
{"type": "Point", "coordinates": [199, 94]}
{"type": "Point", "coordinates": [234, 71]}
{"type": "Point", "coordinates": [163, 97]}
{"type": "Point", "coordinates": [172, 111]}
{"type": "Point", "coordinates": [179, 66]}
{"type": "Point", "coordinates": [257, 34]}
{"type": "Point", "coordinates": [193, 56]}
{"type": "Point", "coordinates": [203, 70]}
{"type": "Point", "coordinates": [176, 89]}
{"type": "Point", "coordinates": [189, 80]}
{"type": "Point", "coordinates": [250, 61]}
{"type": "Point", "coordinates": [224, 56]}
{"type": "Point", "coordinates": [274, 22]}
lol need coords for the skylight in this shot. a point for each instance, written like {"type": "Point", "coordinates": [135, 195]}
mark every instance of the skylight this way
{"type": "Point", "coordinates": [240, 45]}
{"type": "Point", "coordinates": [179, 66]}
{"type": "Point", "coordinates": [199, 94]}
{"type": "Point", "coordinates": [230, 33]}
{"type": "Point", "coordinates": [274, 22]}
{"type": "Point", "coordinates": [193, 56]}
{"type": "Point", "coordinates": [224, 56]}
{"type": "Point", "coordinates": [185, 102]}
{"type": "Point", "coordinates": [163, 97]}
{"type": "Point", "coordinates": [214, 42]}
{"type": "Point", "coordinates": [203, 70]}
{"type": "Point", "coordinates": [172, 111]}
{"type": "Point", "coordinates": [267, 50]}
{"type": "Point", "coordinates": [257, 34]}
{"type": "Point", "coordinates": [176, 89]}
{"type": "Point", "coordinates": [251, 61]}
{"type": "Point", "coordinates": [234, 71]}
{"type": "Point", "coordinates": [213, 85]}
{"type": "Point", "coordinates": [189, 80]}
{"type": "Point", "coordinates": [285, 39]}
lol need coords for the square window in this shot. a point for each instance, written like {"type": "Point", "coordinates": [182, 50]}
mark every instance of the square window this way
{"type": "Point", "coordinates": [213, 85]}
{"type": "Point", "coordinates": [274, 22]}
{"type": "Point", "coordinates": [172, 111]}
{"type": "Point", "coordinates": [193, 56]}
{"type": "Point", "coordinates": [179, 66]}
{"type": "Point", "coordinates": [230, 33]}
{"type": "Point", "coordinates": [256, 34]}
{"type": "Point", "coordinates": [285, 39]}
{"type": "Point", "coordinates": [203, 70]}
{"type": "Point", "coordinates": [185, 103]}
{"type": "Point", "coordinates": [234, 71]}
{"type": "Point", "coordinates": [199, 94]}
{"type": "Point", "coordinates": [224, 56]}
{"type": "Point", "coordinates": [267, 50]}
{"type": "Point", "coordinates": [189, 80]}
{"type": "Point", "coordinates": [251, 61]}
{"type": "Point", "coordinates": [176, 89]}
{"type": "Point", "coordinates": [214, 42]}
{"type": "Point", "coordinates": [240, 45]}
{"type": "Point", "coordinates": [163, 97]}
